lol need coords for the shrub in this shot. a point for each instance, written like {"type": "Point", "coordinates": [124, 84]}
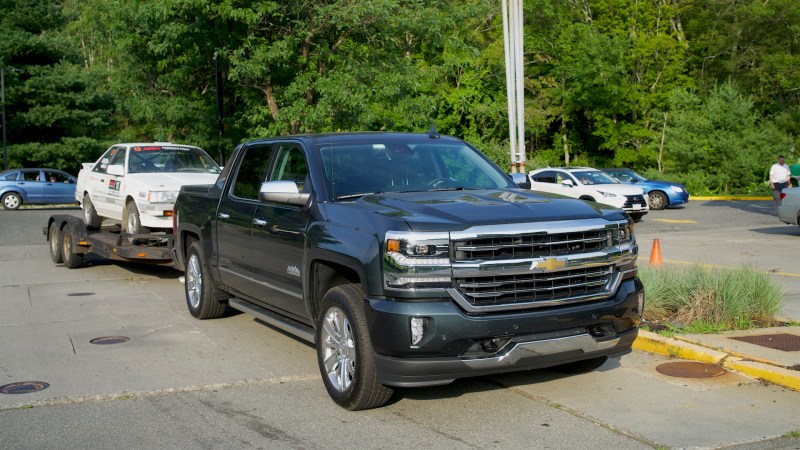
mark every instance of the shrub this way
{"type": "Point", "coordinates": [709, 299]}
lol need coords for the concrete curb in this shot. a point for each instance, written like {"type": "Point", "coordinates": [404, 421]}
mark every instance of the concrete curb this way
{"type": "Point", "coordinates": [654, 343]}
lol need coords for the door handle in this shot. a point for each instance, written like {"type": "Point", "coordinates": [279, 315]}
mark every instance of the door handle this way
{"type": "Point", "coordinates": [259, 222]}
{"type": "Point", "coordinates": [223, 216]}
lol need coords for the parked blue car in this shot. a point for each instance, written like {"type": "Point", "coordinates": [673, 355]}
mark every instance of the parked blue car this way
{"type": "Point", "coordinates": [35, 186]}
{"type": "Point", "coordinates": [660, 194]}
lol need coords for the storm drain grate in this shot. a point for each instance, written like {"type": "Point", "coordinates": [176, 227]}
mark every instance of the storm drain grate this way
{"type": "Point", "coordinates": [24, 387]}
{"type": "Point", "coordinates": [109, 340]}
{"type": "Point", "coordinates": [690, 369]}
{"type": "Point", "coordinates": [781, 341]}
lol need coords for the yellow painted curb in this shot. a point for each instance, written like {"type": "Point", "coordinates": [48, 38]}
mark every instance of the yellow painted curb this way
{"type": "Point", "coordinates": [728, 197]}
{"type": "Point", "coordinates": [773, 374]}
{"type": "Point", "coordinates": [654, 343]}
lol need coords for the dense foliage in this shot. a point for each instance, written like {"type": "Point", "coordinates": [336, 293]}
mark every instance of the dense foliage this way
{"type": "Point", "coordinates": [704, 91]}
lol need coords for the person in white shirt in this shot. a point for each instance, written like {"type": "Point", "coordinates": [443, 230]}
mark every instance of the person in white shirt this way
{"type": "Point", "coordinates": [779, 178]}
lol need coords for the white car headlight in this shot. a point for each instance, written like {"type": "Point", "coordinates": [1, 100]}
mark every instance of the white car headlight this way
{"type": "Point", "coordinates": [162, 196]}
{"type": "Point", "coordinates": [607, 194]}
{"type": "Point", "coordinates": [676, 189]}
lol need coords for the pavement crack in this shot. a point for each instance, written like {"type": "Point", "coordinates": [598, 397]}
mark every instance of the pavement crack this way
{"type": "Point", "coordinates": [72, 344]}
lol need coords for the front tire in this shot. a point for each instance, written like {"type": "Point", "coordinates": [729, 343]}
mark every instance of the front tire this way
{"type": "Point", "coordinates": [55, 243]}
{"type": "Point", "coordinates": [657, 200]}
{"type": "Point", "coordinates": [133, 222]}
{"type": "Point", "coordinates": [200, 298]}
{"type": "Point", "coordinates": [11, 200]}
{"type": "Point", "coordinates": [344, 351]}
{"type": "Point", "coordinates": [90, 216]}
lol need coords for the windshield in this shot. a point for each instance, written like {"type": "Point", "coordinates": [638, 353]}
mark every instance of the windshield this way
{"type": "Point", "coordinates": [594, 177]}
{"type": "Point", "coordinates": [356, 169]}
{"type": "Point", "coordinates": [154, 159]}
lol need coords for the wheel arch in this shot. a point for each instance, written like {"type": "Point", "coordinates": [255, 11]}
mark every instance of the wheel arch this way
{"type": "Point", "coordinates": [324, 276]}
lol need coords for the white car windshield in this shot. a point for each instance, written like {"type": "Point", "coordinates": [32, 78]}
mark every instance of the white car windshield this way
{"type": "Point", "coordinates": [589, 177]}
{"type": "Point", "coordinates": [154, 159]}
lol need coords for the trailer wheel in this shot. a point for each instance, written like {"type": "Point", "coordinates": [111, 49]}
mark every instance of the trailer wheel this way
{"type": "Point", "coordinates": [90, 216]}
{"type": "Point", "coordinates": [71, 259]}
{"type": "Point", "coordinates": [54, 240]}
{"type": "Point", "coordinates": [200, 298]}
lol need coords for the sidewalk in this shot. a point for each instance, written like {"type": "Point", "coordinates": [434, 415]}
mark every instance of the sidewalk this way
{"type": "Point", "coordinates": [771, 354]}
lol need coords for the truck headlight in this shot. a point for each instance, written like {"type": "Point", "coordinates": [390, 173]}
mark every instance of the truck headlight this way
{"type": "Point", "coordinates": [162, 196]}
{"type": "Point", "coordinates": [416, 260]}
{"type": "Point", "coordinates": [622, 235]}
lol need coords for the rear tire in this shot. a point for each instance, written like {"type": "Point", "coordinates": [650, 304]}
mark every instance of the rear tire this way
{"type": "Point", "coordinates": [55, 243]}
{"type": "Point", "coordinates": [344, 351]}
{"type": "Point", "coordinates": [71, 259]}
{"type": "Point", "coordinates": [657, 200]}
{"type": "Point", "coordinates": [11, 200]}
{"type": "Point", "coordinates": [587, 365]}
{"type": "Point", "coordinates": [90, 216]}
{"type": "Point", "coordinates": [200, 293]}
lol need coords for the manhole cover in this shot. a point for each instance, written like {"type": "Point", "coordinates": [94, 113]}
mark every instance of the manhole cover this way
{"type": "Point", "coordinates": [109, 340]}
{"type": "Point", "coordinates": [24, 387]}
{"type": "Point", "coordinates": [79, 294]}
{"type": "Point", "coordinates": [690, 369]}
{"type": "Point", "coordinates": [781, 341]}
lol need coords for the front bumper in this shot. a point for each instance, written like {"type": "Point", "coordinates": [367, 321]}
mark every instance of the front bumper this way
{"type": "Point", "coordinates": [156, 215]}
{"type": "Point", "coordinates": [532, 339]}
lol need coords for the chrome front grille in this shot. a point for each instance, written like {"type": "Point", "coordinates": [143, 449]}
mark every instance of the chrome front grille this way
{"type": "Point", "coordinates": [532, 288]}
{"type": "Point", "coordinates": [634, 200]}
{"type": "Point", "coordinates": [536, 245]}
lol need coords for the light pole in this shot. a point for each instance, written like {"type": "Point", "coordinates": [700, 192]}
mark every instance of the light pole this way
{"type": "Point", "coordinates": [3, 103]}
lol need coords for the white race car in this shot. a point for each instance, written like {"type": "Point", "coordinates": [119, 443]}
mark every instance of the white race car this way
{"type": "Point", "coordinates": [590, 184]}
{"type": "Point", "coordinates": [137, 183]}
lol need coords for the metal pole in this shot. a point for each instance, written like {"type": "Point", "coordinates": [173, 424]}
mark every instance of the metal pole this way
{"type": "Point", "coordinates": [220, 123]}
{"type": "Point", "coordinates": [512, 110]}
{"type": "Point", "coordinates": [520, 68]}
{"type": "Point", "coordinates": [3, 103]}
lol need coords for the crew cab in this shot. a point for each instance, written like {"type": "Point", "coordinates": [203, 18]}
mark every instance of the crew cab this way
{"type": "Point", "coordinates": [407, 259]}
{"type": "Point", "coordinates": [137, 183]}
{"type": "Point", "coordinates": [590, 184]}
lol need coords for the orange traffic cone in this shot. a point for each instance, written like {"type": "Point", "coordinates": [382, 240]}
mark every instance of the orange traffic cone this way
{"type": "Point", "coordinates": [655, 254]}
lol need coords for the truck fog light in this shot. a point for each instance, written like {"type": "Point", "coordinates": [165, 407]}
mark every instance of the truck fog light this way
{"type": "Point", "coordinates": [419, 326]}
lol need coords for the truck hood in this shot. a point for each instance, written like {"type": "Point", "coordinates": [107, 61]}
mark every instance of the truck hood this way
{"type": "Point", "coordinates": [170, 181]}
{"type": "Point", "coordinates": [429, 211]}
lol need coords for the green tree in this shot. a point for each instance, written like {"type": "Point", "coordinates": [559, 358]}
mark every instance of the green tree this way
{"type": "Point", "coordinates": [57, 114]}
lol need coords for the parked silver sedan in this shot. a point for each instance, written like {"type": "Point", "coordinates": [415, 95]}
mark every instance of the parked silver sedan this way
{"type": "Point", "coordinates": [789, 207]}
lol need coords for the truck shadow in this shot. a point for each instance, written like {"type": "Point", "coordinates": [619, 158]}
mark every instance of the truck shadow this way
{"type": "Point", "coordinates": [138, 268]}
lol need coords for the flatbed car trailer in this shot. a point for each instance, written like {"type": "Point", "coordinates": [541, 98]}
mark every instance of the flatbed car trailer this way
{"type": "Point", "coordinates": [70, 239]}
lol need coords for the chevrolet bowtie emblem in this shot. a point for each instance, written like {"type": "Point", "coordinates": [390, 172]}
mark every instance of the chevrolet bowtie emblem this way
{"type": "Point", "coordinates": [548, 264]}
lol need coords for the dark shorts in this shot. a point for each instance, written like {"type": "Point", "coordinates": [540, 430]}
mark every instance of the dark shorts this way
{"type": "Point", "coordinates": [780, 186]}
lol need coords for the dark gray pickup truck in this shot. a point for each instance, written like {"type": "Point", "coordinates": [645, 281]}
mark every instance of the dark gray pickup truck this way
{"type": "Point", "coordinates": [407, 260]}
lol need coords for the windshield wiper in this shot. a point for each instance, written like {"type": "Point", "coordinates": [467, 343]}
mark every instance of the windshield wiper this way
{"type": "Point", "coordinates": [345, 197]}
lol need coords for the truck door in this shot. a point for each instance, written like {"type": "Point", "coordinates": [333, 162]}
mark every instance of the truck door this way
{"type": "Point", "coordinates": [279, 234]}
{"type": "Point", "coordinates": [235, 220]}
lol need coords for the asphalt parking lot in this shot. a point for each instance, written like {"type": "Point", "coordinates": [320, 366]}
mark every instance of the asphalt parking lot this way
{"type": "Point", "coordinates": [727, 234]}
{"type": "Point", "coordinates": [237, 383]}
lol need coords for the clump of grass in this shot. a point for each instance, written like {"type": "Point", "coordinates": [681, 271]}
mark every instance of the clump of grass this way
{"type": "Point", "coordinates": [702, 299]}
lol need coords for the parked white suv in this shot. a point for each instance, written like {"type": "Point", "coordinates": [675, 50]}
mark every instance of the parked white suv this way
{"type": "Point", "coordinates": [137, 183]}
{"type": "Point", "coordinates": [590, 184]}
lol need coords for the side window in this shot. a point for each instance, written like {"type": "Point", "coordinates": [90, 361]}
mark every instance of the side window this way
{"type": "Point", "coordinates": [105, 160]}
{"type": "Point", "coordinates": [11, 176]}
{"type": "Point", "coordinates": [55, 177]}
{"type": "Point", "coordinates": [548, 176]}
{"type": "Point", "coordinates": [252, 168]}
{"type": "Point", "coordinates": [30, 175]}
{"type": "Point", "coordinates": [621, 176]}
{"type": "Point", "coordinates": [291, 165]}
